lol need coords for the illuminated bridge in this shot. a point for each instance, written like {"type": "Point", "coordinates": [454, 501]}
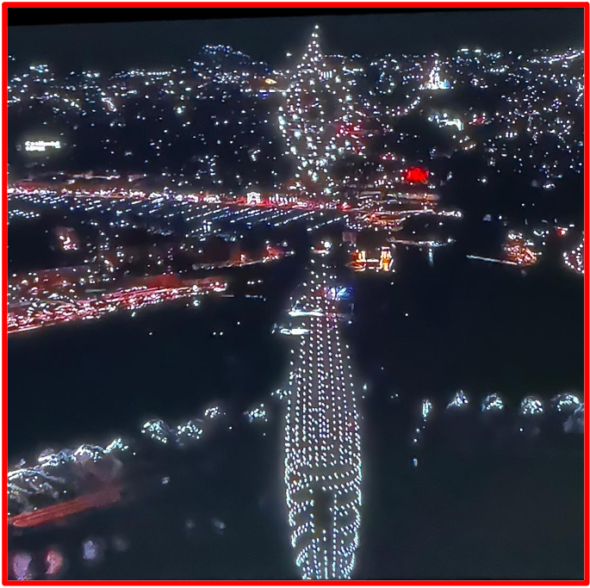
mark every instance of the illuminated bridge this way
{"type": "Point", "coordinates": [322, 442]}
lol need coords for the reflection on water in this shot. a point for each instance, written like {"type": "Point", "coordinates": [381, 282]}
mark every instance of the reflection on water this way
{"type": "Point", "coordinates": [322, 443]}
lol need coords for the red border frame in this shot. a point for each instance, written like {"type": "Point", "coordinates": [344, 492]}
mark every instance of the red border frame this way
{"type": "Point", "coordinates": [288, 4]}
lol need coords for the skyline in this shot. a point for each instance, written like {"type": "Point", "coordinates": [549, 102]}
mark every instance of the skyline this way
{"type": "Point", "coordinates": [122, 43]}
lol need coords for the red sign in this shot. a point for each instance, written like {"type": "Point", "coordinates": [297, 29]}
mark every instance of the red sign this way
{"type": "Point", "coordinates": [416, 175]}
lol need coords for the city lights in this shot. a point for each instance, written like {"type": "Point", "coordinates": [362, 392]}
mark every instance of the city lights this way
{"type": "Point", "coordinates": [197, 246]}
{"type": "Point", "coordinates": [322, 443]}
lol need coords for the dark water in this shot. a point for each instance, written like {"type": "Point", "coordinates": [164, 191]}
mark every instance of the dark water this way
{"type": "Point", "coordinates": [483, 503]}
{"type": "Point", "coordinates": [74, 382]}
{"type": "Point", "coordinates": [472, 325]}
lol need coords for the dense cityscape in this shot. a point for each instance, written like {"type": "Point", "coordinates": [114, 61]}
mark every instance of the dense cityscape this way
{"type": "Point", "coordinates": [324, 297]}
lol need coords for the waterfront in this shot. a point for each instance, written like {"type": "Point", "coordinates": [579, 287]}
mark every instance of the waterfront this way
{"type": "Point", "coordinates": [474, 478]}
{"type": "Point", "coordinates": [314, 311]}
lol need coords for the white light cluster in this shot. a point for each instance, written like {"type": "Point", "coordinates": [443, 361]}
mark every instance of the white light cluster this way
{"type": "Point", "coordinates": [492, 402]}
{"type": "Point", "coordinates": [435, 82]}
{"type": "Point", "coordinates": [41, 145]}
{"type": "Point", "coordinates": [574, 259]}
{"type": "Point", "coordinates": [322, 444]}
{"type": "Point", "coordinates": [318, 101]}
{"type": "Point", "coordinates": [420, 428]}
{"type": "Point", "coordinates": [184, 433]}
{"type": "Point", "coordinates": [213, 412]}
{"type": "Point", "coordinates": [116, 445]}
{"type": "Point", "coordinates": [458, 401]}
{"type": "Point", "coordinates": [565, 402]}
{"type": "Point", "coordinates": [531, 406]}
{"type": "Point", "coordinates": [158, 430]}
{"type": "Point", "coordinates": [190, 431]}
{"type": "Point", "coordinates": [426, 408]}
{"type": "Point", "coordinates": [280, 393]}
{"type": "Point", "coordinates": [46, 478]}
{"type": "Point", "coordinates": [258, 413]}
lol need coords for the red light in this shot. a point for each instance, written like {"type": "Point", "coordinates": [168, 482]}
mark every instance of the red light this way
{"type": "Point", "coordinates": [416, 175]}
{"type": "Point", "coordinates": [348, 130]}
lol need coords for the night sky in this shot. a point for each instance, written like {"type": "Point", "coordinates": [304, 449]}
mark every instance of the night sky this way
{"type": "Point", "coordinates": [112, 46]}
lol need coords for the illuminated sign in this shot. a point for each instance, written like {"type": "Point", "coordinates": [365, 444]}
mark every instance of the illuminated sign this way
{"type": "Point", "coordinates": [416, 175]}
{"type": "Point", "coordinates": [41, 145]}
